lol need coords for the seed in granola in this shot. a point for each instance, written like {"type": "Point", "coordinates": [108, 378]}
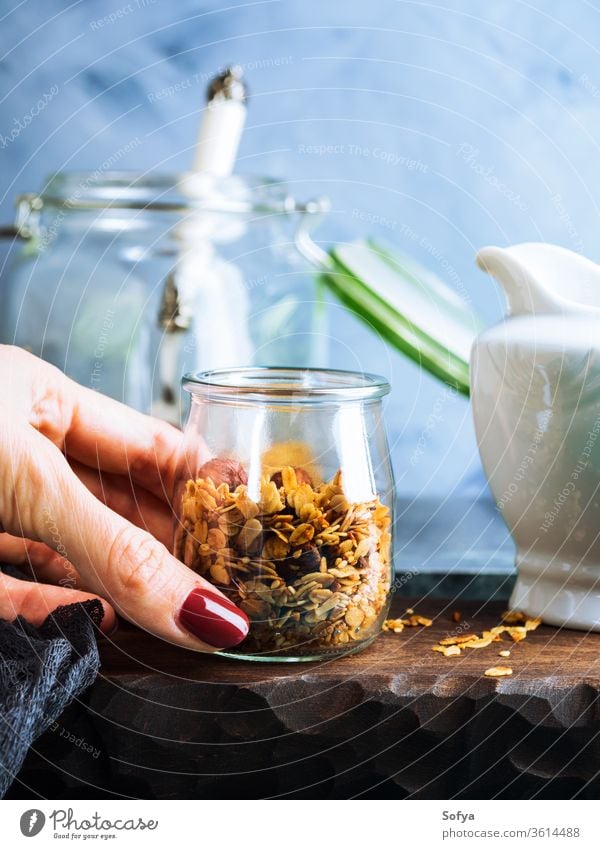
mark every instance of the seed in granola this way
{"type": "Point", "coordinates": [338, 503]}
{"type": "Point", "coordinates": [270, 499]}
{"type": "Point", "coordinates": [392, 624]}
{"type": "Point", "coordinates": [319, 595]}
{"type": "Point", "coordinates": [361, 549]}
{"type": "Point", "coordinates": [255, 608]}
{"type": "Point", "coordinates": [247, 507]}
{"type": "Point", "coordinates": [456, 616]}
{"type": "Point", "coordinates": [250, 535]}
{"type": "Point", "coordinates": [216, 539]}
{"type": "Point", "coordinates": [201, 530]}
{"type": "Point", "coordinates": [205, 501]}
{"type": "Point", "coordinates": [498, 671]}
{"type": "Point", "coordinates": [275, 549]}
{"type": "Point", "coordinates": [289, 480]}
{"type": "Point", "coordinates": [354, 617]}
{"type": "Point", "coordinates": [191, 546]}
{"type": "Point", "coordinates": [222, 470]}
{"type": "Point", "coordinates": [219, 574]}
{"type": "Point", "coordinates": [302, 534]}
{"type": "Point", "coordinates": [504, 653]}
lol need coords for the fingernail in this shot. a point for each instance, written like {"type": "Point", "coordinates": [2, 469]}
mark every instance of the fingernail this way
{"type": "Point", "coordinates": [213, 619]}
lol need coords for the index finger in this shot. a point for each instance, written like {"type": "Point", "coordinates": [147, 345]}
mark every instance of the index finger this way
{"type": "Point", "coordinates": [89, 427]}
{"type": "Point", "coordinates": [105, 434]}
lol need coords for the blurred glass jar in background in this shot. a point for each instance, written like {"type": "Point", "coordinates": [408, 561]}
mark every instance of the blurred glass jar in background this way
{"type": "Point", "coordinates": [126, 281]}
{"type": "Point", "coordinates": [284, 502]}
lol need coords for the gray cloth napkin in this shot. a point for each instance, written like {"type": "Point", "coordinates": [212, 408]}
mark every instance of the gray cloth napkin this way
{"type": "Point", "coordinates": [41, 671]}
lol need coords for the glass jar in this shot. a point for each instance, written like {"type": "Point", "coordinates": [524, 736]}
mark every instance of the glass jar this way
{"type": "Point", "coordinates": [125, 281]}
{"type": "Point", "coordinates": [284, 502]}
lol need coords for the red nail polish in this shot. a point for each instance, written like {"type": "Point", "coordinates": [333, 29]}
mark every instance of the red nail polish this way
{"type": "Point", "coordinates": [213, 619]}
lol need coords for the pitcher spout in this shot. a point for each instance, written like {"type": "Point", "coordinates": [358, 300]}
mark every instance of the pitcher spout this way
{"type": "Point", "coordinates": [538, 278]}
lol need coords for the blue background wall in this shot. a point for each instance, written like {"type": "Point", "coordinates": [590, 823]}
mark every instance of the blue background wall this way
{"type": "Point", "coordinates": [441, 127]}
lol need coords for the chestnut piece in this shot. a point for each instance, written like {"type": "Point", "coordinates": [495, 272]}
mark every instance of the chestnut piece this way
{"type": "Point", "coordinates": [221, 470]}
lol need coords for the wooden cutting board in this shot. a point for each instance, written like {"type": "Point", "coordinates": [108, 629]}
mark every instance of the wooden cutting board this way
{"type": "Point", "coordinates": [397, 720]}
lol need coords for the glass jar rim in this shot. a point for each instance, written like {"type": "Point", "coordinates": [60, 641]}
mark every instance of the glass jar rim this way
{"type": "Point", "coordinates": [286, 385]}
{"type": "Point", "coordinates": [172, 192]}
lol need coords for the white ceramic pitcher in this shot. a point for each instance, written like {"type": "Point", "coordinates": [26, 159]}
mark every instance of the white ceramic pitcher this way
{"type": "Point", "coordinates": [535, 384]}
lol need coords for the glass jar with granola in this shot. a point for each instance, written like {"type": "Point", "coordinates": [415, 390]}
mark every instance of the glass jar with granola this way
{"type": "Point", "coordinates": [284, 502]}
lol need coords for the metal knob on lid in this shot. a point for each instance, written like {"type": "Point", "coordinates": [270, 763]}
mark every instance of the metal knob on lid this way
{"type": "Point", "coordinates": [228, 85]}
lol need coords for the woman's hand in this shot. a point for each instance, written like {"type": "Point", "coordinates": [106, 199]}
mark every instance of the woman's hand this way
{"type": "Point", "coordinates": [84, 489]}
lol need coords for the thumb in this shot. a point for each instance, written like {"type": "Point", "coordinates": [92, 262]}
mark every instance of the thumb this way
{"type": "Point", "coordinates": [121, 562]}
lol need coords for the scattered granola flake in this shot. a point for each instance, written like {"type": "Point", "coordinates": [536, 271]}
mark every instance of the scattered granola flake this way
{"type": "Point", "coordinates": [513, 617]}
{"type": "Point", "coordinates": [456, 616]}
{"type": "Point", "coordinates": [447, 651]}
{"type": "Point", "coordinates": [493, 634]}
{"type": "Point", "coordinates": [498, 671]}
{"type": "Point", "coordinates": [517, 633]}
{"type": "Point", "coordinates": [398, 625]}
{"type": "Point", "coordinates": [415, 620]}
{"type": "Point", "coordinates": [409, 610]}
{"type": "Point", "coordinates": [459, 638]}
{"type": "Point", "coordinates": [517, 625]}
{"type": "Point", "coordinates": [424, 621]}
{"type": "Point", "coordinates": [452, 651]}
{"type": "Point", "coordinates": [395, 625]}
{"type": "Point", "coordinates": [477, 643]}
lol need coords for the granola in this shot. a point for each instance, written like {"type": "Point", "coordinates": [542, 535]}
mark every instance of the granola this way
{"type": "Point", "coordinates": [517, 625]}
{"type": "Point", "coordinates": [309, 568]}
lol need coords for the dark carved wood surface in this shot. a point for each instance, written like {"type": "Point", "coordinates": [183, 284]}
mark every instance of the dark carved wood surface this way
{"type": "Point", "coordinates": [396, 720]}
